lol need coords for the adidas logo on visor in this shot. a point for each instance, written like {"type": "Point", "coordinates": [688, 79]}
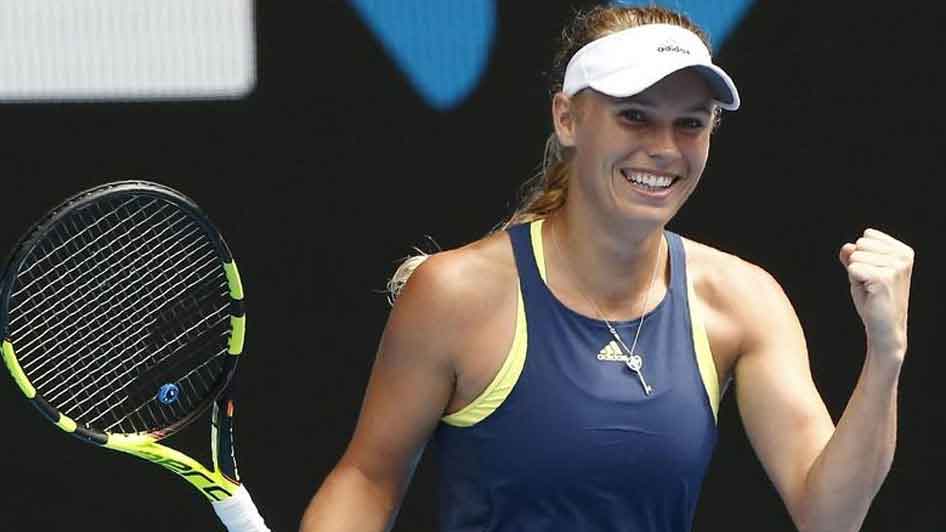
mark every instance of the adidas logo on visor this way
{"type": "Point", "coordinates": [671, 46]}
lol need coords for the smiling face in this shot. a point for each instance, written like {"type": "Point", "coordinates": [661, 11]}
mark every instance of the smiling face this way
{"type": "Point", "coordinates": [637, 158]}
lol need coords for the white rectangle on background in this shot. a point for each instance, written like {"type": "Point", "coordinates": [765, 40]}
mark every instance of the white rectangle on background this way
{"type": "Point", "coordinates": [101, 50]}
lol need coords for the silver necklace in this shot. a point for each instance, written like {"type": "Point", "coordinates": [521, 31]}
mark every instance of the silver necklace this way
{"type": "Point", "coordinates": [634, 361]}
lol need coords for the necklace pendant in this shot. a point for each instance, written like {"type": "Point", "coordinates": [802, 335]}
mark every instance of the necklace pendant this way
{"type": "Point", "coordinates": [612, 352]}
{"type": "Point", "coordinates": [635, 363]}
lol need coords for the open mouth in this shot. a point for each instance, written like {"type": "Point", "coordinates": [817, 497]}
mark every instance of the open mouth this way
{"type": "Point", "coordinates": [649, 182]}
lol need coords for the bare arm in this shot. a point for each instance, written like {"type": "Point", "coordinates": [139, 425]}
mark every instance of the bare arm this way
{"type": "Point", "coordinates": [410, 384]}
{"type": "Point", "coordinates": [827, 476]}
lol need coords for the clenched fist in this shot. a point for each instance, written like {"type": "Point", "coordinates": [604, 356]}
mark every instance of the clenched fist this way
{"type": "Point", "coordinates": [879, 267]}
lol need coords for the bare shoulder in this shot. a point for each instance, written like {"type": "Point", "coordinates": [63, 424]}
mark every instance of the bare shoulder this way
{"type": "Point", "coordinates": [467, 273]}
{"type": "Point", "coordinates": [459, 287]}
{"type": "Point", "coordinates": [743, 304]}
{"type": "Point", "coordinates": [421, 363]}
{"type": "Point", "coordinates": [724, 280]}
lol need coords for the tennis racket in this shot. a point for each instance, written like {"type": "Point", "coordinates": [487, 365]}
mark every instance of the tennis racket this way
{"type": "Point", "coordinates": [122, 321]}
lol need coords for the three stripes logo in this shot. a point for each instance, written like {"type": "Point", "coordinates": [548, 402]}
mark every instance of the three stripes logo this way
{"type": "Point", "coordinates": [613, 352]}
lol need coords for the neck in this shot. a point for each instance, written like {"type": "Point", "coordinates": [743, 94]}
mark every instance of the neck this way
{"type": "Point", "coordinates": [614, 270]}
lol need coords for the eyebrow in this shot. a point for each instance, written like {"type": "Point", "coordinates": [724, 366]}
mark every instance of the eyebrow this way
{"type": "Point", "coordinates": [703, 107]}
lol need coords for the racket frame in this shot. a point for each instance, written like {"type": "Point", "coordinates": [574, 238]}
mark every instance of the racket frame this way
{"type": "Point", "coordinates": [222, 481]}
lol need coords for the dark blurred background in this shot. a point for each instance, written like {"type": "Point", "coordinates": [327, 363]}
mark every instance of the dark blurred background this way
{"type": "Point", "coordinates": [338, 161]}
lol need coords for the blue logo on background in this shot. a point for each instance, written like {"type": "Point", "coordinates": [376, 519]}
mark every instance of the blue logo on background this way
{"type": "Point", "coordinates": [442, 46]}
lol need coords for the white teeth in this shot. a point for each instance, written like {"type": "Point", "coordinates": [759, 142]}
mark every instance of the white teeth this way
{"type": "Point", "coordinates": [651, 180]}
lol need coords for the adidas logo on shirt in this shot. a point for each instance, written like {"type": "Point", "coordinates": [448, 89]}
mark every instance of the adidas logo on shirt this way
{"type": "Point", "coordinates": [612, 351]}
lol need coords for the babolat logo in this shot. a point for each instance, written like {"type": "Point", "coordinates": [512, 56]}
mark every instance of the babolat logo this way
{"type": "Point", "coordinates": [208, 486]}
{"type": "Point", "coordinates": [671, 46]}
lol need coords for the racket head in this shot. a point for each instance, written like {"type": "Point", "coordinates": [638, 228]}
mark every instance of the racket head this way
{"type": "Point", "coordinates": [121, 312]}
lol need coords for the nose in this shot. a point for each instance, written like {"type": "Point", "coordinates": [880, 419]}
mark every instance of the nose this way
{"type": "Point", "coordinates": [663, 143]}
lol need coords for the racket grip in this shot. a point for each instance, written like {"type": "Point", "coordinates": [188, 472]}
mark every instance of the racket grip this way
{"type": "Point", "coordinates": [239, 514]}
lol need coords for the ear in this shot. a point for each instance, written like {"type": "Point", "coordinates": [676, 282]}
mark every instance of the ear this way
{"type": "Point", "coordinates": [564, 117]}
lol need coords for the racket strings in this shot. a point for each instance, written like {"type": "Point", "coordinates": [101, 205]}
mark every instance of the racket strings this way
{"type": "Point", "coordinates": [107, 329]}
{"type": "Point", "coordinates": [37, 297]}
{"type": "Point", "coordinates": [65, 261]}
{"type": "Point", "coordinates": [123, 376]}
{"type": "Point", "coordinates": [92, 226]}
{"type": "Point", "coordinates": [78, 289]}
{"type": "Point", "coordinates": [79, 304]}
{"type": "Point", "coordinates": [126, 372]}
{"type": "Point", "coordinates": [118, 256]}
{"type": "Point", "coordinates": [117, 292]}
{"type": "Point", "coordinates": [186, 402]}
{"type": "Point", "coordinates": [83, 384]}
{"type": "Point", "coordinates": [149, 360]}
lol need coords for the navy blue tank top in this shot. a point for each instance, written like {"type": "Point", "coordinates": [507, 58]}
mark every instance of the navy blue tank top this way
{"type": "Point", "coordinates": [575, 445]}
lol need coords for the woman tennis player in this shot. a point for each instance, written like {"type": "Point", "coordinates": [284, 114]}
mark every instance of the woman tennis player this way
{"type": "Point", "coordinates": [569, 366]}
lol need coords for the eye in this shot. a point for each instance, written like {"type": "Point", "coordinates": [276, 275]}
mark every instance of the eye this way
{"type": "Point", "coordinates": [691, 123]}
{"type": "Point", "coordinates": [633, 115]}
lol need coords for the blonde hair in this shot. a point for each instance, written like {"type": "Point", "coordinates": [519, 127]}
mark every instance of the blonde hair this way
{"type": "Point", "coordinates": [546, 191]}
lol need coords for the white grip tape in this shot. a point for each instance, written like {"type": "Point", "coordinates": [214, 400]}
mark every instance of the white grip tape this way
{"type": "Point", "coordinates": [239, 514]}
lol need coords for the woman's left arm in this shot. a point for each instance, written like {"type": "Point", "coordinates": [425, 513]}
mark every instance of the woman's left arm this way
{"type": "Point", "coordinates": [827, 476]}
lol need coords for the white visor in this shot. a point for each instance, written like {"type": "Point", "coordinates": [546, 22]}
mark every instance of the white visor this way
{"type": "Point", "coordinates": [627, 62]}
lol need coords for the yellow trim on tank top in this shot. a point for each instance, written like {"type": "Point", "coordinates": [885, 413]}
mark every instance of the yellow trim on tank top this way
{"type": "Point", "coordinates": [535, 232]}
{"type": "Point", "coordinates": [502, 384]}
{"type": "Point", "coordinates": [704, 355]}
{"type": "Point", "coordinates": [504, 381]}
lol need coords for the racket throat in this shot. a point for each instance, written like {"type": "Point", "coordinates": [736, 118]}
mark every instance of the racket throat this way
{"type": "Point", "coordinates": [213, 485]}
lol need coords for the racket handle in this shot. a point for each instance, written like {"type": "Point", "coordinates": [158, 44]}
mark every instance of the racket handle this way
{"type": "Point", "coordinates": [239, 514]}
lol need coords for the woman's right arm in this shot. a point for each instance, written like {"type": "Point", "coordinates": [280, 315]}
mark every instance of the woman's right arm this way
{"type": "Point", "coordinates": [411, 382]}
